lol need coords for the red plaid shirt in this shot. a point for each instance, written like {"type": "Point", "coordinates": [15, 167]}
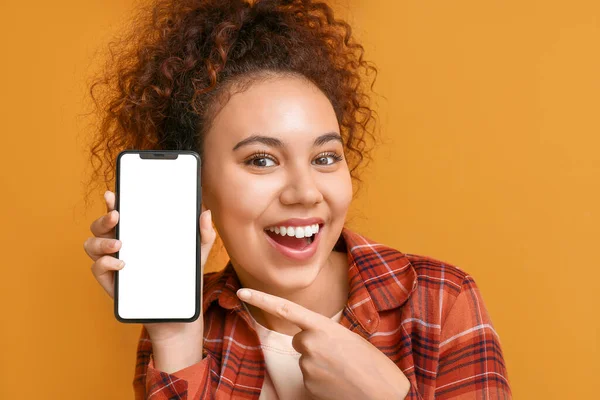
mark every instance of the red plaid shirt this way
{"type": "Point", "coordinates": [424, 314]}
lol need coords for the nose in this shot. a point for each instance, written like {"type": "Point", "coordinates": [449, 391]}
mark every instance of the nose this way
{"type": "Point", "coordinates": [301, 188]}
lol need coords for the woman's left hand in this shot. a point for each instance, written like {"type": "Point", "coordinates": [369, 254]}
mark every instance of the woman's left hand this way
{"type": "Point", "coordinates": [336, 363]}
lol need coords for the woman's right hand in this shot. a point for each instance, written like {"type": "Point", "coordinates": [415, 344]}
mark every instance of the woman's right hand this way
{"type": "Point", "coordinates": [101, 250]}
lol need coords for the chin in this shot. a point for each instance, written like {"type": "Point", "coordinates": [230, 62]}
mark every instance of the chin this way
{"type": "Point", "coordinates": [292, 278]}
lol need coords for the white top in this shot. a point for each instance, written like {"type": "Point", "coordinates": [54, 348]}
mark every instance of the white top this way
{"type": "Point", "coordinates": [283, 378]}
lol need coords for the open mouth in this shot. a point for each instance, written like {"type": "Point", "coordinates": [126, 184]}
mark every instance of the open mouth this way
{"type": "Point", "coordinates": [292, 242]}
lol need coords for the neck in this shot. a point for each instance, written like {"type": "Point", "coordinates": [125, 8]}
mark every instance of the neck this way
{"type": "Point", "coordinates": [327, 295]}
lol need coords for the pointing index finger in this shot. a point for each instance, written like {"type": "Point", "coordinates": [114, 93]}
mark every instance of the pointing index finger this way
{"type": "Point", "coordinates": [302, 317]}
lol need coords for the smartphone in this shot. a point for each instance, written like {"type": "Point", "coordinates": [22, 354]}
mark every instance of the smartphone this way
{"type": "Point", "coordinates": [158, 196]}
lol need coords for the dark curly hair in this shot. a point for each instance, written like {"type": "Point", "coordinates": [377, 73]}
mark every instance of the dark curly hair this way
{"type": "Point", "coordinates": [167, 76]}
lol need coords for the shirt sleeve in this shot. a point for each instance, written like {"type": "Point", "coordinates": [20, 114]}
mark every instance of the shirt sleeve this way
{"type": "Point", "coordinates": [471, 363]}
{"type": "Point", "coordinates": [190, 383]}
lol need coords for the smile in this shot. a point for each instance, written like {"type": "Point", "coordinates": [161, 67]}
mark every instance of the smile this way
{"type": "Point", "coordinates": [296, 243]}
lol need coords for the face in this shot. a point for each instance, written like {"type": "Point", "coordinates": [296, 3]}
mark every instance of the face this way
{"type": "Point", "coordinates": [297, 170]}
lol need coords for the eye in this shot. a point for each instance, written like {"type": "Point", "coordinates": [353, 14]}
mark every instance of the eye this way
{"type": "Point", "coordinates": [329, 155]}
{"type": "Point", "coordinates": [263, 159]}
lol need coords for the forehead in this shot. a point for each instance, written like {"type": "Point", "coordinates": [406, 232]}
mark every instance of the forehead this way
{"type": "Point", "coordinates": [284, 107]}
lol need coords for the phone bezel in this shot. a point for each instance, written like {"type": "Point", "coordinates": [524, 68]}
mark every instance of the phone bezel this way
{"type": "Point", "coordinates": [162, 154]}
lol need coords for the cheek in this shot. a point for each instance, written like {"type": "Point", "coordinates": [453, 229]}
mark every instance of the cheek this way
{"type": "Point", "coordinates": [338, 192]}
{"type": "Point", "coordinates": [241, 197]}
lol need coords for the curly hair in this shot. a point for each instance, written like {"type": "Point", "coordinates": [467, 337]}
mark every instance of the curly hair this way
{"type": "Point", "coordinates": [167, 76]}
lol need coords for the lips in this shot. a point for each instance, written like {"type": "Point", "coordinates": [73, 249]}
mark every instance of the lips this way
{"type": "Point", "coordinates": [291, 241]}
{"type": "Point", "coordinates": [292, 247]}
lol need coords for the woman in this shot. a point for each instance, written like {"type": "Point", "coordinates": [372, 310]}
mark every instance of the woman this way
{"type": "Point", "coordinates": [269, 93]}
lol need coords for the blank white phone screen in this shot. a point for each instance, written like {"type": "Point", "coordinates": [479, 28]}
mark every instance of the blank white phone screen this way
{"type": "Point", "coordinates": [158, 201]}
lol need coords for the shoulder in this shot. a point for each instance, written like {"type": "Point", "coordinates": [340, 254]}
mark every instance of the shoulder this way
{"type": "Point", "coordinates": [453, 288]}
{"type": "Point", "coordinates": [465, 340]}
{"type": "Point", "coordinates": [444, 282]}
{"type": "Point", "coordinates": [437, 271]}
{"type": "Point", "coordinates": [384, 260]}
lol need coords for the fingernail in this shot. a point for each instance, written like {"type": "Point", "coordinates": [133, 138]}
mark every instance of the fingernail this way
{"type": "Point", "coordinates": [106, 196]}
{"type": "Point", "coordinates": [114, 213]}
{"type": "Point", "coordinates": [115, 242]}
{"type": "Point", "coordinates": [121, 264]}
{"type": "Point", "coordinates": [244, 294]}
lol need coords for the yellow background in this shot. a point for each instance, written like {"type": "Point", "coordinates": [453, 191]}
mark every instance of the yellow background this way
{"type": "Point", "coordinates": [491, 112]}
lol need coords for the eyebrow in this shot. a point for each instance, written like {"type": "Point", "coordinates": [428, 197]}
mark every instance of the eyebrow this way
{"type": "Point", "coordinates": [274, 142]}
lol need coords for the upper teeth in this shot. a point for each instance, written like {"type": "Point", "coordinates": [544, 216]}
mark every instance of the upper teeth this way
{"type": "Point", "coordinates": [298, 231]}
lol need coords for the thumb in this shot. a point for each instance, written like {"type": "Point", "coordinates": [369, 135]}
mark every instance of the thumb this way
{"type": "Point", "coordinates": [207, 237]}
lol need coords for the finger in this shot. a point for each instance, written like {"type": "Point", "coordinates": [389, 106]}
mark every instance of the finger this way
{"type": "Point", "coordinates": [109, 197]}
{"type": "Point", "coordinates": [300, 341]}
{"type": "Point", "coordinates": [283, 308]}
{"type": "Point", "coordinates": [104, 271]}
{"type": "Point", "coordinates": [103, 226]}
{"type": "Point", "coordinates": [98, 247]}
{"type": "Point", "coordinates": [207, 236]}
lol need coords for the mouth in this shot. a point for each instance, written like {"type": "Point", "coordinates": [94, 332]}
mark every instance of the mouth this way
{"type": "Point", "coordinates": [294, 247]}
